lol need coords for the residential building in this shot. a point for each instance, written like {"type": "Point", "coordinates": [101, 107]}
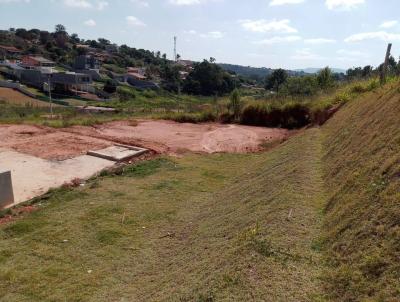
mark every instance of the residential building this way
{"type": "Point", "coordinates": [138, 70]}
{"type": "Point", "coordinates": [37, 62]}
{"type": "Point", "coordinates": [185, 63]}
{"type": "Point", "coordinates": [86, 62]}
{"type": "Point", "coordinates": [9, 52]}
{"type": "Point", "coordinates": [70, 81]}
{"type": "Point", "coordinates": [136, 76]}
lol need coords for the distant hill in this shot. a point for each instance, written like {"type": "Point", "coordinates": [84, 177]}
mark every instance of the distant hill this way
{"type": "Point", "coordinates": [256, 73]}
{"type": "Point", "coordinates": [248, 71]}
{"type": "Point", "coordinates": [315, 70]}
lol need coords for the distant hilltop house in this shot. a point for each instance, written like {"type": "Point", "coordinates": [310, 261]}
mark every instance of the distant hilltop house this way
{"type": "Point", "coordinates": [36, 61]}
{"type": "Point", "coordinates": [37, 71]}
{"type": "Point", "coordinates": [136, 77]}
{"type": "Point", "coordinates": [9, 52]}
{"type": "Point", "coordinates": [71, 81]}
{"type": "Point", "coordinates": [183, 74]}
{"type": "Point", "coordinates": [137, 73]}
{"type": "Point", "coordinates": [88, 64]}
{"type": "Point", "coordinates": [187, 64]}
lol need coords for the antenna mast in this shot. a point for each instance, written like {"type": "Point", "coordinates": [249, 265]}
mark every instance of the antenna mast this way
{"type": "Point", "coordinates": [175, 57]}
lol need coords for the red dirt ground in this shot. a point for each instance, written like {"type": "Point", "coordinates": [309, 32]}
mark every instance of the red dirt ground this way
{"type": "Point", "coordinates": [158, 135]}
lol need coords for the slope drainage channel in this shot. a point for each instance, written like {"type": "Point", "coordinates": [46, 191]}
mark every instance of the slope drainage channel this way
{"type": "Point", "coordinates": [118, 153]}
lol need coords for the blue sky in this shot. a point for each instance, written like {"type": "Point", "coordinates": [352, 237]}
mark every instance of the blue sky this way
{"type": "Point", "coordinates": [269, 33]}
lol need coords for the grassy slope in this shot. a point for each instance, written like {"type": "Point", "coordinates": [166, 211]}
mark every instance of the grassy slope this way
{"type": "Point", "coordinates": [362, 164]}
{"type": "Point", "coordinates": [231, 238]}
{"type": "Point", "coordinates": [218, 227]}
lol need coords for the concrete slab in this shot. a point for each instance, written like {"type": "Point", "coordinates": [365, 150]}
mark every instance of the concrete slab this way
{"type": "Point", "coordinates": [6, 189]}
{"type": "Point", "coordinates": [118, 152]}
{"type": "Point", "coordinates": [33, 176]}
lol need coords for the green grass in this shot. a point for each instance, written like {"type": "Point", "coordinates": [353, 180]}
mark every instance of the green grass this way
{"type": "Point", "coordinates": [183, 229]}
{"type": "Point", "coordinates": [362, 168]}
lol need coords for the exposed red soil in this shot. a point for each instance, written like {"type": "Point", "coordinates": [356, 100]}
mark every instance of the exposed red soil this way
{"type": "Point", "coordinates": [16, 213]}
{"type": "Point", "coordinates": [46, 142]}
{"type": "Point", "coordinates": [158, 135]}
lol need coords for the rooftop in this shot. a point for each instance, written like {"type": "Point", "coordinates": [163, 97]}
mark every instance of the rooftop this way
{"type": "Point", "coordinates": [10, 48]}
{"type": "Point", "coordinates": [41, 59]}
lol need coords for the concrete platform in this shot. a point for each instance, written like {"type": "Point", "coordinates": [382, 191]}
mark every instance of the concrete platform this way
{"type": "Point", "coordinates": [6, 189]}
{"type": "Point", "coordinates": [33, 176]}
{"type": "Point", "coordinates": [118, 152]}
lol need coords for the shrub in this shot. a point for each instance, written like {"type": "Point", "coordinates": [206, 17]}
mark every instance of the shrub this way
{"type": "Point", "coordinates": [194, 117]}
{"type": "Point", "coordinates": [149, 94]}
{"type": "Point", "coordinates": [290, 115]}
{"type": "Point", "coordinates": [235, 103]}
{"type": "Point", "coordinates": [125, 93]}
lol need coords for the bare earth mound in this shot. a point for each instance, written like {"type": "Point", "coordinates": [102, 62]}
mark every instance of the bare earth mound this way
{"type": "Point", "coordinates": [160, 136]}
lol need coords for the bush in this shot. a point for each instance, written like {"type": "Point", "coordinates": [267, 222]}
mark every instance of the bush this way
{"type": "Point", "coordinates": [125, 93]}
{"type": "Point", "coordinates": [149, 94]}
{"type": "Point", "coordinates": [193, 118]}
{"type": "Point", "coordinates": [290, 115]}
{"type": "Point", "coordinates": [110, 86]}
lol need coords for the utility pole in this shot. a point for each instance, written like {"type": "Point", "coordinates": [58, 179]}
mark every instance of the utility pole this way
{"type": "Point", "coordinates": [385, 64]}
{"type": "Point", "coordinates": [51, 103]}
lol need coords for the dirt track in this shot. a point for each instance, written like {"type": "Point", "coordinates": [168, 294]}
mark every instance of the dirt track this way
{"type": "Point", "coordinates": [161, 136]}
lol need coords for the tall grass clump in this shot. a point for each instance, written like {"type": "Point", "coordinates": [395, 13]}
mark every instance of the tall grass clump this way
{"type": "Point", "coordinates": [287, 115]}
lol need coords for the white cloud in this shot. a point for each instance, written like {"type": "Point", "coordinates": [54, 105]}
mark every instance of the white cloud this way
{"type": "Point", "coordinates": [316, 41]}
{"type": "Point", "coordinates": [133, 21]}
{"type": "Point", "coordinates": [306, 54]}
{"type": "Point", "coordinates": [14, 1]}
{"type": "Point", "coordinates": [78, 3]}
{"type": "Point", "coordinates": [343, 4]}
{"type": "Point", "coordinates": [277, 40]}
{"type": "Point", "coordinates": [213, 35]}
{"type": "Point", "coordinates": [90, 23]}
{"type": "Point", "coordinates": [185, 2]}
{"type": "Point", "coordinates": [389, 24]}
{"type": "Point", "coordinates": [190, 32]}
{"type": "Point", "coordinates": [352, 53]}
{"type": "Point", "coordinates": [99, 5]}
{"type": "Point", "coordinates": [141, 3]}
{"type": "Point", "coordinates": [263, 26]}
{"type": "Point", "coordinates": [102, 5]}
{"type": "Point", "coordinates": [378, 35]}
{"type": "Point", "coordinates": [283, 2]}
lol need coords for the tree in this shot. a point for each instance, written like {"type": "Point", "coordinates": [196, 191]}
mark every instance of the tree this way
{"type": "Point", "coordinates": [277, 78]}
{"type": "Point", "coordinates": [208, 79]}
{"type": "Point", "coordinates": [75, 38]}
{"type": "Point", "coordinates": [300, 86]}
{"type": "Point", "coordinates": [325, 78]}
{"type": "Point", "coordinates": [367, 71]}
{"type": "Point", "coordinates": [60, 28]}
{"type": "Point", "coordinates": [235, 103]}
{"type": "Point", "coordinates": [110, 86]}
